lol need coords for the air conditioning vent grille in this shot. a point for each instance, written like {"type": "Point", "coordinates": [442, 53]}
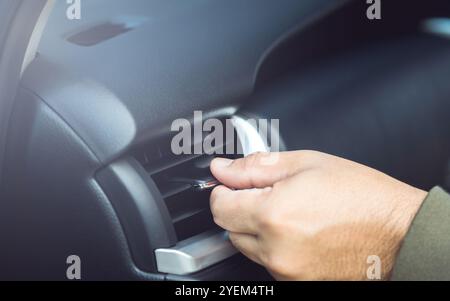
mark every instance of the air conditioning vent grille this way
{"type": "Point", "coordinates": [164, 200]}
{"type": "Point", "coordinates": [188, 208]}
{"type": "Point", "coordinates": [190, 213]}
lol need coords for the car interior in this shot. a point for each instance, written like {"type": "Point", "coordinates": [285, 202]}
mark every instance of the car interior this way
{"type": "Point", "coordinates": [88, 168]}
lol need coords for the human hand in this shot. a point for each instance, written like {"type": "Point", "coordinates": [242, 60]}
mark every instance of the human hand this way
{"type": "Point", "coordinates": [312, 216]}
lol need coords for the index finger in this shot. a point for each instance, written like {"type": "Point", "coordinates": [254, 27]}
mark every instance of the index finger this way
{"type": "Point", "coordinates": [253, 172]}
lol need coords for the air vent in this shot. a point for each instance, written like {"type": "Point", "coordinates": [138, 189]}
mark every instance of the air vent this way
{"type": "Point", "coordinates": [163, 207]}
{"type": "Point", "coordinates": [162, 201]}
{"type": "Point", "coordinates": [188, 207]}
{"type": "Point", "coordinates": [175, 176]}
{"type": "Point", "coordinates": [200, 242]}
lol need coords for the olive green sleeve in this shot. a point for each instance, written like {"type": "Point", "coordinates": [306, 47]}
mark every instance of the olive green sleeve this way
{"type": "Point", "coordinates": [425, 253]}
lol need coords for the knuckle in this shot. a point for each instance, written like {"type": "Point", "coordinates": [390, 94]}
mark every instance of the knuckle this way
{"type": "Point", "coordinates": [251, 166]}
{"type": "Point", "coordinates": [252, 161]}
{"type": "Point", "coordinates": [270, 219]}
{"type": "Point", "coordinates": [310, 156]}
{"type": "Point", "coordinates": [306, 154]}
{"type": "Point", "coordinates": [269, 216]}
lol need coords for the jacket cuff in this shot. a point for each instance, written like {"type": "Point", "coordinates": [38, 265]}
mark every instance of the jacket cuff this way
{"type": "Point", "coordinates": [425, 252]}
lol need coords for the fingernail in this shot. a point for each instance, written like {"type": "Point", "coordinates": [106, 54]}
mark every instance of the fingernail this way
{"type": "Point", "coordinates": [222, 162]}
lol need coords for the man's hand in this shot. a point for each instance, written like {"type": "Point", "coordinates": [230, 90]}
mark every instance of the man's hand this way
{"type": "Point", "coordinates": [312, 216]}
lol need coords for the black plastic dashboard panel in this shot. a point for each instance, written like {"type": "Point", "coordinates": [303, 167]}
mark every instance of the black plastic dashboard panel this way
{"type": "Point", "coordinates": [190, 55]}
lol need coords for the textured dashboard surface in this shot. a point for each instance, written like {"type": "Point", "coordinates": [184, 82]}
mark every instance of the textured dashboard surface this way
{"type": "Point", "coordinates": [182, 56]}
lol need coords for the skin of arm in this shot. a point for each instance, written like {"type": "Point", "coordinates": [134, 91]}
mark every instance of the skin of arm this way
{"type": "Point", "coordinates": [306, 215]}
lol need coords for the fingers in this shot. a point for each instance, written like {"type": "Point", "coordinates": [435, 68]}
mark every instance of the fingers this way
{"type": "Point", "coordinates": [247, 245]}
{"type": "Point", "coordinates": [236, 210]}
{"type": "Point", "coordinates": [257, 170]}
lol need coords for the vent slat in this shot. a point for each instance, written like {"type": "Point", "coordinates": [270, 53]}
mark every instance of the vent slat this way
{"type": "Point", "coordinates": [154, 168]}
{"type": "Point", "coordinates": [186, 215]}
{"type": "Point", "coordinates": [174, 188]}
{"type": "Point", "coordinates": [189, 209]}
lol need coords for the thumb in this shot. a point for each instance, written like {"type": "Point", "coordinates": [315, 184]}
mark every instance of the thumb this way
{"type": "Point", "coordinates": [253, 170]}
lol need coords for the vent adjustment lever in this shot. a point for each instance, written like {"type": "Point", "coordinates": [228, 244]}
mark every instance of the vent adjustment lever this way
{"type": "Point", "coordinates": [202, 184]}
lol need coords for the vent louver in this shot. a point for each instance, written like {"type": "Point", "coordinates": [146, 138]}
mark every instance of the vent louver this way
{"type": "Point", "coordinates": [199, 242]}
{"type": "Point", "coordinates": [188, 208]}
{"type": "Point", "coordinates": [174, 175]}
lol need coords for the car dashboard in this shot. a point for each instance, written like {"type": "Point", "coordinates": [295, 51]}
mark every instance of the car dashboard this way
{"type": "Point", "coordinates": [91, 131]}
